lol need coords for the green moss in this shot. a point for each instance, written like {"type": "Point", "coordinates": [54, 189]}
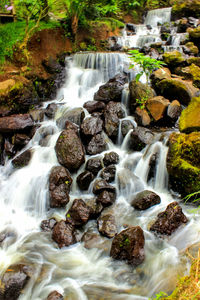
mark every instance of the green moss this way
{"type": "Point", "coordinates": [194, 60]}
{"type": "Point", "coordinates": [190, 117]}
{"type": "Point", "coordinates": [111, 23]}
{"type": "Point", "coordinates": [193, 49]}
{"type": "Point", "coordinates": [186, 8]}
{"type": "Point", "coordinates": [173, 58]}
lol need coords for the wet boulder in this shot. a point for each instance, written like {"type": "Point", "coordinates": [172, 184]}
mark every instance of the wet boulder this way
{"type": "Point", "coordinates": [22, 159]}
{"type": "Point", "coordinates": [174, 110]}
{"type": "Point", "coordinates": [157, 107]}
{"type": "Point", "coordinates": [63, 234]}
{"type": "Point", "coordinates": [14, 281]}
{"type": "Point", "coordinates": [169, 220]}
{"type": "Point", "coordinates": [16, 123]}
{"type": "Point", "coordinates": [190, 49]}
{"type": "Point", "coordinates": [192, 72]}
{"type": "Point", "coordinates": [55, 296]}
{"type": "Point", "coordinates": [74, 115]}
{"type": "Point", "coordinates": [160, 74]}
{"type": "Point", "coordinates": [108, 173]}
{"type": "Point", "coordinates": [185, 8]}
{"type": "Point", "coordinates": [142, 117]}
{"type": "Point", "coordinates": [112, 90]}
{"type": "Point", "coordinates": [94, 106]}
{"type": "Point", "coordinates": [128, 245]}
{"type": "Point", "coordinates": [91, 126]}
{"type": "Point", "coordinates": [190, 117]}
{"type": "Point", "coordinates": [106, 198]}
{"type": "Point", "coordinates": [95, 207]}
{"type": "Point", "coordinates": [84, 179]}
{"type": "Point", "coordinates": [48, 225]}
{"type": "Point", "coordinates": [140, 137]}
{"type": "Point", "coordinates": [94, 165]}
{"type": "Point", "coordinates": [78, 214]}
{"type": "Point", "coordinates": [107, 225]}
{"type": "Point", "coordinates": [96, 145]}
{"type": "Point", "coordinates": [173, 59]}
{"type": "Point", "coordinates": [145, 200]}
{"type": "Point", "coordinates": [112, 113]}
{"type": "Point", "coordinates": [69, 150]}
{"type": "Point", "coordinates": [138, 91]}
{"type": "Point", "coordinates": [51, 110]}
{"type": "Point", "coordinates": [101, 185]}
{"type": "Point", "coordinates": [59, 186]}
{"type": "Point", "coordinates": [126, 126]}
{"type": "Point", "coordinates": [19, 140]}
{"type": "Point", "coordinates": [111, 158]}
{"type": "Point", "coordinates": [93, 239]}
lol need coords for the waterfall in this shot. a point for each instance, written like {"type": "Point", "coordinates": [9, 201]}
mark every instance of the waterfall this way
{"type": "Point", "coordinates": [158, 16]}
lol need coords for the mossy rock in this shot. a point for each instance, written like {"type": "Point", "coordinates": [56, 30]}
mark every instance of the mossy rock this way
{"type": "Point", "coordinates": [177, 89]}
{"type": "Point", "coordinates": [192, 49]}
{"type": "Point", "coordinates": [192, 73]}
{"type": "Point", "coordinates": [173, 58]}
{"type": "Point", "coordinates": [190, 117]}
{"type": "Point", "coordinates": [139, 93]}
{"type": "Point", "coordinates": [183, 163]}
{"type": "Point", "coordinates": [186, 8]}
{"type": "Point", "coordinates": [194, 60]}
{"type": "Point", "coordinates": [194, 35]}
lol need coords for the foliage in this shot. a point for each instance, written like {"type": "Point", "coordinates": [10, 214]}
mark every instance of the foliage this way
{"type": "Point", "coordinates": [159, 296]}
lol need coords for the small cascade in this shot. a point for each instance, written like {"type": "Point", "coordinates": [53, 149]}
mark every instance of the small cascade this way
{"type": "Point", "coordinates": [158, 16]}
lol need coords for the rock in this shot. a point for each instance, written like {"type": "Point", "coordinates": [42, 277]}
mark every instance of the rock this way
{"type": "Point", "coordinates": [63, 234]}
{"type": "Point", "coordinates": [111, 158]}
{"type": "Point", "coordinates": [169, 220]}
{"type": "Point", "coordinates": [182, 25]}
{"type": "Point", "coordinates": [55, 296]}
{"type": "Point", "coordinates": [74, 115]}
{"type": "Point", "coordinates": [194, 35]}
{"type": "Point", "coordinates": [126, 126]}
{"type": "Point", "coordinates": [95, 240]}
{"type": "Point", "coordinates": [94, 165]}
{"type": "Point", "coordinates": [106, 198]}
{"type": "Point", "coordinates": [140, 137]}
{"type": "Point", "coordinates": [14, 281]}
{"type": "Point", "coordinates": [145, 200]}
{"type": "Point", "coordinates": [112, 113]}
{"type": "Point", "coordinates": [190, 117]}
{"type": "Point", "coordinates": [9, 148]}
{"type": "Point", "coordinates": [78, 214]}
{"type": "Point", "coordinates": [37, 115]}
{"type": "Point", "coordinates": [174, 110]}
{"type": "Point", "coordinates": [108, 173]}
{"type": "Point", "coordinates": [183, 162]}
{"type": "Point", "coordinates": [173, 59]}
{"type": "Point", "coordinates": [190, 49]}
{"type": "Point", "coordinates": [101, 185]}
{"type": "Point", "coordinates": [69, 150]}
{"type": "Point", "coordinates": [142, 117]}
{"type": "Point", "coordinates": [176, 88]}
{"type": "Point", "coordinates": [72, 126]}
{"type": "Point", "coordinates": [94, 106]}
{"type": "Point", "coordinates": [130, 27]}
{"type": "Point", "coordinates": [160, 74]}
{"type": "Point", "coordinates": [193, 60]}
{"type": "Point", "coordinates": [51, 110]}
{"type": "Point", "coordinates": [5, 85]}
{"type": "Point", "coordinates": [52, 66]}
{"type": "Point", "coordinates": [157, 107]}
{"type": "Point", "coordinates": [19, 140]}
{"type": "Point", "coordinates": [96, 145]}
{"type": "Point", "coordinates": [107, 226]}
{"type": "Point", "coordinates": [22, 159]}
{"type": "Point", "coordinates": [84, 180]}
{"type": "Point", "coordinates": [59, 186]}
{"type": "Point", "coordinates": [138, 91]}
{"type": "Point", "coordinates": [185, 8]}
{"type": "Point", "coordinates": [129, 245]}
{"type": "Point", "coordinates": [95, 207]}
{"type": "Point", "coordinates": [192, 73]}
{"type": "Point", "coordinates": [112, 90]}
{"type": "Point", "coordinates": [15, 123]}
{"type": "Point", "coordinates": [48, 225]}
{"type": "Point", "coordinates": [91, 126]}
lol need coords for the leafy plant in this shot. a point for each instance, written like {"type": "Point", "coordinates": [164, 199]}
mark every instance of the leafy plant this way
{"type": "Point", "coordinates": [159, 296]}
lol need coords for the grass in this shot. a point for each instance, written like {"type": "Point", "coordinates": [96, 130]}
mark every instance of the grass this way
{"type": "Point", "coordinates": [13, 33]}
{"type": "Point", "coordinates": [111, 23]}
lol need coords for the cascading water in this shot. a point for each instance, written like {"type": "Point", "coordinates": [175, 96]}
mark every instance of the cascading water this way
{"type": "Point", "coordinates": [77, 272]}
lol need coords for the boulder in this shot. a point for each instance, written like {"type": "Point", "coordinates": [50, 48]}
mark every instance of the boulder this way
{"type": "Point", "coordinates": [182, 25]}
{"type": "Point", "coordinates": [84, 179]}
{"type": "Point", "coordinates": [14, 281]}
{"type": "Point", "coordinates": [169, 220]}
{"type": "Point", "coordinates": [192, 72]}
{"type": "Point", "coordinates": [93, 239]}
{"type": "Point", "coordinates": [22, 159]}
{"type": "Point", "coordinates": [101, 185]}
{"type": "Point", "coordinates": [112, 90]}
{"type": "Point", "coordinates": [190, 49]}
{"type": "Point", "coordinates": [59, 186]}
{"type": "Point", "coordinates": [173, 59]}
{"type": "Point", "coordinates": [126, 126]}
{"type": "Point", "coordinates": [48, 225]}
{"type": "Point", "coordinates": [91, 126]}
{"type": "Point", "coordinates": [63, 234]}
{"type": "Point", "coordinates": [94, 165]}
{"type": "Point", "coordinates": [69, 150]}
{"type": "Point", "coordinates": [186, 8]}
{"type": "Point", "coordinates": [145, 200]}
{"type": "Point", "coordinates": [78, 214]}
{"type": "Point", "coordinates": [96, 145]}
{"type": "Point", "coordinates": [193, 60]}
{"type": "Point", "coordinates": [129, 245]}
{"type": "Point", "coordinates": [157, 107]}
{"type": "Point", "coordinates": [107, 225]}
{"type": "Point", "coordinates": [95, 207]}
{"type": "Point", "coordinates": [94, 106]}
{"type": "Point", "coordinates": [112, 113]}
{"type": "Point", "coordinates": [183, 162]}
{"type": "Point", "coordinates": [160, 74]}
{"type": "Point", "coordinates": [55, 296]}
{"type": "Point", "coordinates": [106, 198]}
{"type": "Point", "coordinates": [108, 173]}
{"type": "Point", "coordinates": [140, 137]}
{"type": "Point", "coordinates": [190, 117]}
{"type": "Point", "coordinates": [51, 110]}
{"type": "Point", "coordinates": [15, 123]}
{"type": "Point", "coordinates": [111, 158]}
{"type": "Point", "coordinates": [19, 140]}
{"type": "Point", "coordinates": [194, 35]}
{"type": "Point", "coordinates": [142, 117]}
{"type": "Point", "coordinates": [138, 91]}
{"type": "Point", "coordinates": [174, 110]}
{"type": "Point", "coordinates": [74, 115]}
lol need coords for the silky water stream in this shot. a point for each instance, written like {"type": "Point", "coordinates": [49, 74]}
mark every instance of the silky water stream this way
{"type": "Point", "coordinates": [76, 272]}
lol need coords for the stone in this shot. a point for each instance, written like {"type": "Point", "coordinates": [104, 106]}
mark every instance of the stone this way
{"type": "Point", "coordinates": [107, 225]}
{"type": "Point", "coordinates": [48, 225]}
{"type": "Point", "coordinates": [183, 162]}
{"type": "Point", "coordinates": [190, 117]}
{"type": "Point", "coordinates": [190, 49]}
{"type": "Point", "coordinates": [63, 234]}
{"type": "Point", "coordinates": [186, 8]}
{"type": "Point", "coordinates": [112, 90]}
{"type": "Point", "coordinates": [192, 72]}
{"type": "Point", "coordinates": [74, 115]}
{"type": "Point", "coordinates": [94, 106]}
{"type": "Point", "coordinates": [91, 126]}
{"type": "Point", "coordinates": [126, 126]}
{"type": "Point", "coordinates": [59, 186]}
{"type": "Point", "coordinates": [173, 59]}
{"type": "Point", "coordinates": [55, 296]}
{"type": "Point", "coordinates": [111, 158]}
{"type": "Point", "coordinates": [96, 145]}
{"type": "Point", "coordinates": [174, 110]}
{"type": "Point", "coordinates": [142, 117]}
{"type": "Point", "coordinates": [160, 74]}
{"type": "Point", "coordinates": [106, 198]}
{"type": "Point", "coordinates": [92, 240]}
{"type": "Point", "coordinates": [51, 110]}
{"type": "Point", "coordinates": [138, 91]}
{"type": "Point", "coordinates": [7, 84]}
{"type": "Point", "coordinates": [101, 185]}
{"type": "Point", "coordinates": [22, 159]}
{"type": "Point", "coordinates": [169, 220]}
{"type": "Point", "coordinates": [78, 214]}
{"type": "Point", "coordinates": [108, 173]}
{"type": "Point", "coordinates": [144, 200]}
{"type": "Point", "coordinates": [84, 179]}
{"type": "Point", "coordinates": [15, 123]}
{"type": "Point", "coordinates": [140, 137]}
{"type": "Point", "coordinates": [157, 107]}
{"type": "Point", "coordinates": [20, 140]}
{"type": "Point", "coordinates": [128, 245]}
{"type": "Point", "coordinates": [37, 115]}
{"type": "Point", "coordinates": [193, 60]}
{"type": "Point", "coordinates": [112, 113]}
{"type": "Point", "coordinates": [52, 66]}
{"type": "Point", "coordinates": [94, 165]}
{"type": "Point", "coordinates": [69, 150]}
{"type": "Point", "coordinates": [95, 207]}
